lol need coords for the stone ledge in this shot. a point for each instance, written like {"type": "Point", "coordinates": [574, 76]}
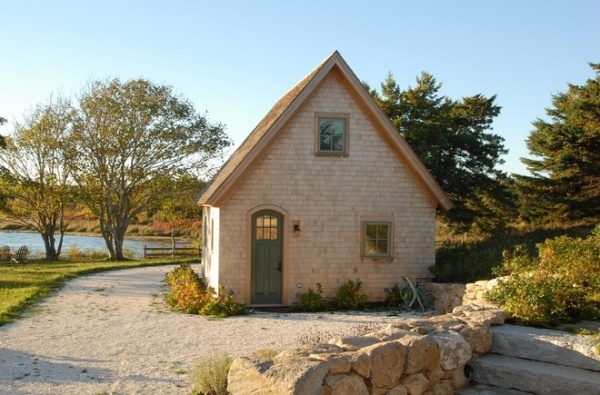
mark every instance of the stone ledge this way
{"type": "Point", "coordinates": [415, 356]}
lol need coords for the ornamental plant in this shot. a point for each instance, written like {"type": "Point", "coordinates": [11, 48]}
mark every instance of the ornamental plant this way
{"type": "Point", "coordinates": [313, 300]}
{"type": "Point", "coordinates": [350, 296]}
{"type": "Point", "coordinates": [188, 293]}
{"type": "Point", "coordinates": [561, 284]}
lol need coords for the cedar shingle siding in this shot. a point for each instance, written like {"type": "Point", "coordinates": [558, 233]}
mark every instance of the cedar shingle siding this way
{"type": "Point", "coordinates": [329, 196]}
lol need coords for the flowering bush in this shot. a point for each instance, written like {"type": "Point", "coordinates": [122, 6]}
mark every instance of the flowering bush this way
{"type": "Point", "coordinates": [191, 295]}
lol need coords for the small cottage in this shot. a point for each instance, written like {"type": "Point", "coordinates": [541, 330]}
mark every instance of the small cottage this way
{"type": "Point", "coordinates": [323, 190]}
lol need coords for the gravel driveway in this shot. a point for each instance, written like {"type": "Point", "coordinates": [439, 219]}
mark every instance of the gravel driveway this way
{"type": "Point", "coordinates": [112, 333]}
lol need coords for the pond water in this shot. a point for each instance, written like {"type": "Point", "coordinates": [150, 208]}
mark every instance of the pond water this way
{"type": "Point", "coordinates": [84, 243]}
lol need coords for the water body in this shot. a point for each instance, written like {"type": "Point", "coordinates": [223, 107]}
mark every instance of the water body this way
{"type": "Point", "coordinates": [84, 243]}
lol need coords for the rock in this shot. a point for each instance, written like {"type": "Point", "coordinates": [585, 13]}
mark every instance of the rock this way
{"type": "Point", "coordinates": [392, 332]}
{"type": "Point", "coordinates": [387, 363]}
{"type": "Point", "coordinates": [337, 363]}
{"type": "Point", "coordinates": [454, 349]}
{"type": "Point", "coordinates": [423, 353]}
{"type": "Point", "coordinates": [416, 384]}
{"type": "Point", "coordinates": [533, 376]}
{"type": "Point", "coordinates": [458, 378]}
{"type": "Point", "coordinates": [398, 390]}
{"type": "Point", "coordinates": [440, 388]}
{"type": "Point", "coordinates": [353, 343]}
{"type": "Point", "coordinates": [479, 337]}
{"type": "Point", "coordinates": [246, 376]}
{"type": "Point", "coordinates": [343, 384]}
{"type": "Point", "coordinates": [360, 363]}
{"type": "Point", "coordinates": [293, 375]}
{"type": "Point", "coordinates": [545, 345]}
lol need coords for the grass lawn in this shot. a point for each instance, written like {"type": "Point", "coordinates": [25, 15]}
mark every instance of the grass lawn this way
{"type": "Point", "coordinates": [24, 284]}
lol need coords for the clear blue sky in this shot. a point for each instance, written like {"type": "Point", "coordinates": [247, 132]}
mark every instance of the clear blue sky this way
{"type": "Point", "coordinates": [235, 59]}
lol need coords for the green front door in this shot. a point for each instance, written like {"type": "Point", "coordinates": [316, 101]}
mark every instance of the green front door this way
{"type": "Point", "coordinates": [267, 243]}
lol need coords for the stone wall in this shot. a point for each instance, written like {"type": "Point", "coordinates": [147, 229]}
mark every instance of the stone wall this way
{"type": "Point", "coordinates": [413, 356]}
{"type": "Point", "coordinates": [446, 297]}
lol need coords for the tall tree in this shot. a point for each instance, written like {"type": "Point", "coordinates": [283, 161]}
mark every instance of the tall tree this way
{"type": "Point", "coordinates": [35, 181]}
{"type": "Point", "coordinates": [128, 138]}
{"type": "Point", "coordinates": [565, 170]}
{"type": "Point", "coordinates": [2, 142]}
{"type": "Point", "coordinates": [179, 208]}
{"type": "Point", "coordinates": [454, 141]}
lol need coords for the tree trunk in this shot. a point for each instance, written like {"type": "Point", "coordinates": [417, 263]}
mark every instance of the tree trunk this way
{"type": "Point", "coordinates": [49, 246]}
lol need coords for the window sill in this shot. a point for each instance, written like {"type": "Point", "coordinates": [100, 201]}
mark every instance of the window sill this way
{"type": "Point", "coordinates": [378, 259]}
{"type": "Point", "coordinates": [343, 154]}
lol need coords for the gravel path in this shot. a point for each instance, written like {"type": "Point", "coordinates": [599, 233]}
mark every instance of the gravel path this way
{"type": "Point", "coordinates": [112, 333]}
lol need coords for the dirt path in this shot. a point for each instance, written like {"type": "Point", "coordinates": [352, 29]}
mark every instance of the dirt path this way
{"type": "Point", "coordinates": [112, 333]}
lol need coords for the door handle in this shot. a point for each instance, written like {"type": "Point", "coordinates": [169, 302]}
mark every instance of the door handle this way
{"type": "Point", "coordinates": [279, 266]}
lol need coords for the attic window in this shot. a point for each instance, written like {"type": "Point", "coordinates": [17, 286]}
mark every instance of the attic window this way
{"type": "Point", "coordinates": [332, 135]}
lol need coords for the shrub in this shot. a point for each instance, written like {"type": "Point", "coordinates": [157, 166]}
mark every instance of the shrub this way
{"type": "Point", "coordinates": [221, 305]}
{"type": "Point", "coordinates": [210, 376]}
{"type": "Point", "coordinates": [313, 300]}
{"type": "Point", "coordinates": [188, 293]}
{"type": "Point", "coordinates": [394, 296]}
{"type": "Point", "coordinates": [349, 296]}
{"type": "Point", "coordinates": [561, 284]}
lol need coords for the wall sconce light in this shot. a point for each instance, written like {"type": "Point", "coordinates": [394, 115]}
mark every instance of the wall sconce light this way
{"type": "Point", "coordinates": [296, 227]}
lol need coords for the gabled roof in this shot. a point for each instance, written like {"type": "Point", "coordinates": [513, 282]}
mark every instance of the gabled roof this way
{"type": "Point", "coordinates": [284, 110]}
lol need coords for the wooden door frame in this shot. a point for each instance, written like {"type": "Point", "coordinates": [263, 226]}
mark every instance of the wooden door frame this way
{"type": "Point", "coordinates": [284, 252]}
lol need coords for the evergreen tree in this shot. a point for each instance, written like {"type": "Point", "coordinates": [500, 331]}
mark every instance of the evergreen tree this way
{"type": "Point", "coordinates": [565, 181]}
{"type": "Point", "coordinates": [454, 141]}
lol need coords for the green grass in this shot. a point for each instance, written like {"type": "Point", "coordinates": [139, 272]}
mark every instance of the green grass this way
{"type": "Point", "coordinates": [25, 284]}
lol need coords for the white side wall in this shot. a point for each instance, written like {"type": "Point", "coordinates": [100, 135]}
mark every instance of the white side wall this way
{"type": "Point", "coordinates": [210, 245]}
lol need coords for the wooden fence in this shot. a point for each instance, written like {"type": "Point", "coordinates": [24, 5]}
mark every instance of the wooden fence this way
{"type": "Point", "coordinates": [170, 252]}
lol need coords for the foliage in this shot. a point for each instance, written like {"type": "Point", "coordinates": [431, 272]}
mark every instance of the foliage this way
{"type": "Point", "coordinates": [313, 300]}
{"type": "Point", "coordinates": [394, 295]}
{"type": "Point", "coordinates": [129, 141]}
{"type": "Point", "coordinates": [566, 164]}
{"type": "Point", "coordinates": [561, 284]}
{"type": "Point", "coordinates": [178, 210]}
{"type": "Point", "coordinates": [25, 285]}
{"type": "Point", "coordinates": [2, 122]}
{"type": "Point", "coordinates": [468, 262]}
{"type": "Point", "coordinates": [188, 293]}
{"type": "Point", "coordinates": [454, 141]}
{"type": "Point", "coordinates": [210, 376]}
{"type": "Point", "coordinates": [350, 297]}
{"type": "Point", "coordinates": [221, 304]}
{"type": "Point", "coordinates": [474, 255]}
{"type": "Point", "coordinates": [36, 183]}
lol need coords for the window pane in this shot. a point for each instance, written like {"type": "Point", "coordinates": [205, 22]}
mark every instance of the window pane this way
{"type": "Point", "coordinates": [259, 233]}
{"type": "Point", "coordinates": [371, 231]}
{"type": "Point", "coordinates": [259, 222]}
{"type": "Point", "coordinates": [377, 239]}
{"type": "Point", "coordinates": [332, 135]}
{"type": "Point", "coordinates": [273, 222]}
{"type": "Point", "coordinates": [382, 247]}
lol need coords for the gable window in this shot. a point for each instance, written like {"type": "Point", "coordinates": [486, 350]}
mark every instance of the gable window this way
{"type": "Point", "coordinates": [377, 239]}
{"type": "Point", "coordinates": [332, 135]}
